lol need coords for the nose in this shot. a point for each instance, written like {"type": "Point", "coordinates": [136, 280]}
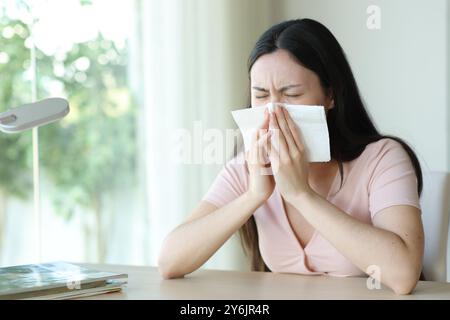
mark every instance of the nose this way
{"type": "Point", "coordinates": [276, 98]}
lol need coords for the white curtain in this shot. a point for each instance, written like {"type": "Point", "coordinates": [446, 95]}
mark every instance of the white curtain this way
{"type": "Point", "coordinates": [192, 67]}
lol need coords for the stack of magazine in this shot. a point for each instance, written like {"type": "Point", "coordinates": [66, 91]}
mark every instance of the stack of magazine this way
{"type": "Point", "coordinates": [57, 280]}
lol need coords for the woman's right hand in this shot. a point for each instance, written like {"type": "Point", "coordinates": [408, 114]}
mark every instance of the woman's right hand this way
{"type": "Point", "coordinates": [261, 181]}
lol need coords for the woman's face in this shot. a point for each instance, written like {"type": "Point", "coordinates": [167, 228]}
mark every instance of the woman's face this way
{"type": "Point", "coordinates": [277, 77]}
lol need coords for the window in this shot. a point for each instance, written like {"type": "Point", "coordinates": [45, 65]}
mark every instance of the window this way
{"type": "Point", "coordinates": [91, 207]}
{"type": "Point", "coordinates": [133, 72]}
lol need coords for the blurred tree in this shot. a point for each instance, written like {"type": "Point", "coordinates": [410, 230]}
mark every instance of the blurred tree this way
{"type": "Point", "coordinates": [90, 152]}
{"type": "Point", "coordinates": [15, 150]}
{"type": "Point", "coordinates": [93, 150]}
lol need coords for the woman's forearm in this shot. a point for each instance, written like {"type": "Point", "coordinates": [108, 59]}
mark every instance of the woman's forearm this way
{"type": "Point", "coordinates": [191, 244]}
{"type": "Point", "coordinates": [363, 244]}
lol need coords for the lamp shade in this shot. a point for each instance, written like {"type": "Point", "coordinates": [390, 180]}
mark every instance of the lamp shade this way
{"type": "Point", "coordinates": [33, 115]}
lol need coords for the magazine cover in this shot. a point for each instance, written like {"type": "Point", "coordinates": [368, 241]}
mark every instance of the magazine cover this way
{"type": "Point", "coordinates": [39, 277]}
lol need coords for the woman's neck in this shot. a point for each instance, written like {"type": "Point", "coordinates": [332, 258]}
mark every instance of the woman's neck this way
{"type": "Point", "coordinates": [321, 169]}
{"type": "Point", "coordinates": [321, 175]}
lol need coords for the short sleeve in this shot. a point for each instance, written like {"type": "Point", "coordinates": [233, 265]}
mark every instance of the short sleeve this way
{"type": "Point", "coordinates": [230, 183]}
{"type": "Point", "coordinates": [393, 181]}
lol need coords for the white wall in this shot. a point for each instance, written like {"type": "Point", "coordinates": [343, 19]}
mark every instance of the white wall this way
{"type": "Point", "coordinates": [402, 68]}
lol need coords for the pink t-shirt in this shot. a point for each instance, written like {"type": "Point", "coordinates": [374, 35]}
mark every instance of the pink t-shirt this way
{"type": "Point", "coordinates": [382, 176]}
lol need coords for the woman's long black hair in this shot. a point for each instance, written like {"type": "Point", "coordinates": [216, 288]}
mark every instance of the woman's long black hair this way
{"type": "Point", "coordinates": [350, 127]}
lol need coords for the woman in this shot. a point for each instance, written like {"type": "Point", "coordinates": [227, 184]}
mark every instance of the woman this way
{"type": "Point", "coordinates": [358, 213]}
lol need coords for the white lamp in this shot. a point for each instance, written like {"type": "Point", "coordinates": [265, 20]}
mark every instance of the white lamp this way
{"type": "Point", "coordinates": [33, 115]}
{"type": "Point", "coordinates": [30, 116]}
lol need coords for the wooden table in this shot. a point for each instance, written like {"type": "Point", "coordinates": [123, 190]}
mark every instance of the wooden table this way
{"type": "Point", "coordinates": [146, 283]}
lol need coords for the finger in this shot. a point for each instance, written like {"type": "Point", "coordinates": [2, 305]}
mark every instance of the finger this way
{"type": "Point", "coordinates": [295, 131]}
{"type": "Point", "coordinates": [265, 124]}
{"type": "Point", "coordinates": [282, 122]}
{"type": "Point", "coordinates": [252, 152]}
{"type": "Point", "coordinates": [262, 142]}
{"type": "Point", "coordinates": [274, 156]}
{"type": "Point", "coordinates": [268, 147]}
{"type": "Point", "coordinates": [256, 136]}
{"type": "Point", "coordinates": [260, 150]}
{"type": "Point", "coordinates": [279, 137]}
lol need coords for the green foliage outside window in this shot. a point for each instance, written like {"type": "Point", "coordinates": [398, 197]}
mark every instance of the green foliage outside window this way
{"type": "Point", "coordinates": [91, 151]}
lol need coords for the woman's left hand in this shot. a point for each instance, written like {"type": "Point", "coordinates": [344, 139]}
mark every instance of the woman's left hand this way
{"type": "Point", "coordinates": [288, 160]}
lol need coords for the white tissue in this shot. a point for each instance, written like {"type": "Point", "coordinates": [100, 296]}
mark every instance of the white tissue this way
{"type": "Point", "coordinates": [311, 121]}
{"type": "Point", "coordinates": [270, 106]}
